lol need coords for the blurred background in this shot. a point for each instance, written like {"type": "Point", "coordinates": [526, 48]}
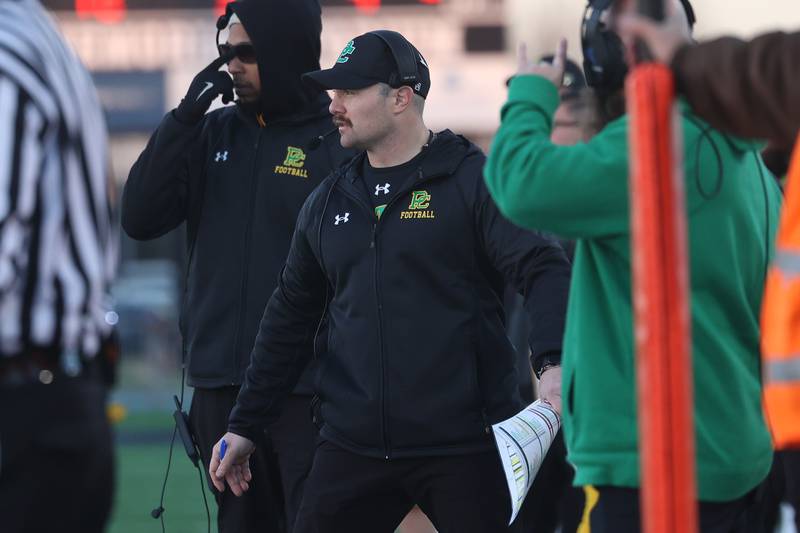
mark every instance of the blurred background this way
{"type": "Point", "coordinates": [143, 55]}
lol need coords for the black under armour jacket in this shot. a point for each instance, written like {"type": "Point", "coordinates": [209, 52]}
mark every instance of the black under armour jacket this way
{"type": "Point", "coordinates": [239, 185]}
{"type": "Point", "coordinates": [417, 361]}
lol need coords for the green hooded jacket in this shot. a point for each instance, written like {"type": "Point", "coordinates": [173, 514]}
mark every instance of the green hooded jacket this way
{"type": "Point", "coordinates": [581, 192]}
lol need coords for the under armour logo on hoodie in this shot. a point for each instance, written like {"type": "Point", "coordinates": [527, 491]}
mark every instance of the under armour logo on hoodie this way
{"type": "Point", "coordinates": [385, 189]}
{"type": "Point", "coordinates": [221, 156]}
{"type": "Point", "coordinates": [343, 219]}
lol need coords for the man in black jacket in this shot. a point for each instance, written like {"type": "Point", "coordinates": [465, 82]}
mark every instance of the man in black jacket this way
{"type": "Point", "coordinates": [406, 255]}
{"type": "Point", "coordinates": [238, 176]}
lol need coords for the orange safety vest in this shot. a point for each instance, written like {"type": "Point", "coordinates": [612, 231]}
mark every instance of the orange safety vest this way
{"type": "Point", "coordinates": [780, 321]}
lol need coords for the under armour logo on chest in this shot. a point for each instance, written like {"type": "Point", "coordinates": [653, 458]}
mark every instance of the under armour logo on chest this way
{"type": "Point", "coordinates": [343, 219]}
{"type": "Point", "coordinates": [221, 156]}
{"type": "Point", "coordinates": [384, 189]}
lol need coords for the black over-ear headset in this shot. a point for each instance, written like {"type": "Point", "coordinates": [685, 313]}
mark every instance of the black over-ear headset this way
{"type": "Point", "coordinates": [404, 56]}
{"type": "Point", "coordinates": [603, 51]}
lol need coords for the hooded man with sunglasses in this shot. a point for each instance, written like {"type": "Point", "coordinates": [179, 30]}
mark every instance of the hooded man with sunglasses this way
{"type": "Point", "coordinates": [238, 177]}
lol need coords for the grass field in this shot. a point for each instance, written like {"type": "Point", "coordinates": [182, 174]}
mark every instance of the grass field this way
{"type": "Point", "coordinates": [142, 449]}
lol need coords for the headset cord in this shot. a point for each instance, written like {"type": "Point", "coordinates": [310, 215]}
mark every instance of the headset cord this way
{"type": "Point", "coordinates": [197, 448]}
{"type": "Point", "coordinates": [205, 500]}
{"type": "Point", "coordinates": [158, 512]}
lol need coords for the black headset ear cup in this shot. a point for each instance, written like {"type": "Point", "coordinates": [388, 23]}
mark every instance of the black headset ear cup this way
{"type": "Point", "coordinates": [222, 21]}
{"type": "Point", "coordinates": [592, 52]}
{"type": "Point", "coordinates": [692, 18]}
{"type": "Point", "coordinates": [615, 64]}
{"type": "Point", "coordinates": [604, 55]}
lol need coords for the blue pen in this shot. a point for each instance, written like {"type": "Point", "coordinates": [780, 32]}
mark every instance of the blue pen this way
{"type": "Point", "coordinates": [223, 447]}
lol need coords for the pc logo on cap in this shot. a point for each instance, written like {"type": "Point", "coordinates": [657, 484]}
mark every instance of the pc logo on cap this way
{"type": "Point", "coordinates": [367, 60]}
{"type": "Point", "coordinates": [348, 49]}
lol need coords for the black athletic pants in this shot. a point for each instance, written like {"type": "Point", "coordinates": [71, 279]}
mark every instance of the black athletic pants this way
{"type": "Point", "coordinates": [553, 504]}
{"type": "Point", "coordinates": [782, 485]}
{"type": "Point", "coordinates": [56, 463]}
{"type": "Point", "coordinates": [351, 493]}
{"type": "Point", "coordinates": [279, 465]}
{"type": "Point", "coordinates": [616, 510]}
{"type": "Point", "coordinates": [294, 438]}
{"type": "Point", "coordinates": [790, 460]}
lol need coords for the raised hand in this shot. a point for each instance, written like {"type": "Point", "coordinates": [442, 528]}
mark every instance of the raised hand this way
{"type": "Point", "coordinates": [206, 86]}
{"type": "Point", "coordinates": [552, 71]}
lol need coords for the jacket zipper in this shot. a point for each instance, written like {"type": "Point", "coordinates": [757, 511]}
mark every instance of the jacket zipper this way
{"type": "Point", "coordinates": [387, 443]}
{"type": "Point", "coordinates": [245, 264]}
{"type": "Point", "coordinates": [381, 366]}
{"type": "Point", "coordinates": [381, 354]}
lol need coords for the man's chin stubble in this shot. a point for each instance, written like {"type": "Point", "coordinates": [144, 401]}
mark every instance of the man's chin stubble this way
{"type": "Point", "coordinates": [249, 104]}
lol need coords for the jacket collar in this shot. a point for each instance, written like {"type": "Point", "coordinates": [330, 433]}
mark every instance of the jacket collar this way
{"type": "Point", "coordinates": [315, 110]}
{"type": "Point", "coordinates": [446, 152]}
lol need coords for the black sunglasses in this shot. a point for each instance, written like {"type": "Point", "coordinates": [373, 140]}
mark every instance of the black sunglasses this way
{"type": "Point", "coordinates": [244, 51]}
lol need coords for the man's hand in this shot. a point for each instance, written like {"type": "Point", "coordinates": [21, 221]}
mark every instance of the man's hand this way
{"type": "Point", "coordinates": [206, 86]}
{"type": "Point", "coordinates": [551, 71]}
{"type": "Point", "coordinates": [234, 468]}
{"type": "Point", "coordinates": [663, 39]}
{"type": "Point", "coordinates": [550, 387]}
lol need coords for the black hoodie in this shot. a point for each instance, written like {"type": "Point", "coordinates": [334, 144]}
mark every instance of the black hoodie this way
{"type": "Point", "coordinates": [418, 362]}
{"type": "Point", "coordinates": [286, 36]}
{"type": "Point", "coordinates": [239, 186]}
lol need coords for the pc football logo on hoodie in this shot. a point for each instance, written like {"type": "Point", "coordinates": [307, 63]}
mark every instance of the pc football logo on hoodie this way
{"type": "Point", "coordinates": [293, 163]}
{"type": "Point", "coordinates": [418, 208]}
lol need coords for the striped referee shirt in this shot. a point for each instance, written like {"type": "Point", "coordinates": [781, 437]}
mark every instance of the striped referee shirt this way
{"type": "Point", "coordinates": [57, 240]}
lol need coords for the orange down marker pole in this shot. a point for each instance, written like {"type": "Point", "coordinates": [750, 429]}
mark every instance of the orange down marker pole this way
{"type": "Point", "coordinates": [661, 306]}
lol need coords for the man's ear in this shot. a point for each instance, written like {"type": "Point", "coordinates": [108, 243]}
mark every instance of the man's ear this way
{"type": "Point", "coordinates": [403, 98]}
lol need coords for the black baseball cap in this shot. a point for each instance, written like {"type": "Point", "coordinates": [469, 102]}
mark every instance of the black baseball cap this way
{"type": "Point", "coordinates": [367, 60]}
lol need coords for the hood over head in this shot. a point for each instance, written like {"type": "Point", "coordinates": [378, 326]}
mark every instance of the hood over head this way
{"type": "Point", "coordinates": [286, 36]}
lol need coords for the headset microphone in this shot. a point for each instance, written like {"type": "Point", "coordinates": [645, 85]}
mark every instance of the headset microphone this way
{"type": "Point", "coordinates": [156, 513]}
{"type": "Point", "coordinates": [315, 143]}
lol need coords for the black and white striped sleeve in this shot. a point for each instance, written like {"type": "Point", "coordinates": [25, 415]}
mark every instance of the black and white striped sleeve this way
{"type": "Point", "coordinates": [23, 125]}
{"type": "Point", "coordinates": [57, 233]}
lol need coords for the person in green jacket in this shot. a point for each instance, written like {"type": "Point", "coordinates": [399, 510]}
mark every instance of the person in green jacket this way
{"type": "Point", "coordinates": [581, 192]}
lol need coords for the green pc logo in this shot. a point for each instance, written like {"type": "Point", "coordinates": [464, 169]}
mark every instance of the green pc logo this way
{"type": "Point", "coordinates": [420, 200]}
{"type": "Point", "coordinates": [294, 157]}
{"type": "Point", "coordinates": [348, 49]}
